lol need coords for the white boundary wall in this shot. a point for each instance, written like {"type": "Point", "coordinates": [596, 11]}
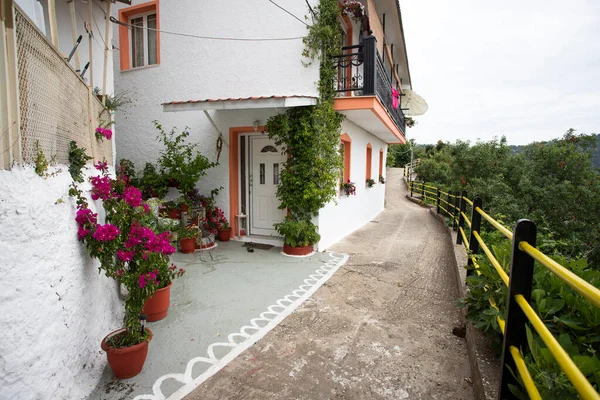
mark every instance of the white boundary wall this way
{"type": "Point", "coordinates": [55, 307]}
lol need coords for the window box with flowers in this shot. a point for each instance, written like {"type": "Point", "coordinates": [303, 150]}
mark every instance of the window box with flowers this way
{"type": "Point", "coordinates": [349, 188]}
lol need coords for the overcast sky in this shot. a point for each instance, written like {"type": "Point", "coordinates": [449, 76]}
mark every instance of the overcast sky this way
{"type": "Point", "coordinates": [526, 69]}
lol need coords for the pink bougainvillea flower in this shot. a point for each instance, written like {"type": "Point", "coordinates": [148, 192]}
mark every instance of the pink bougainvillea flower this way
{"type": "Point", "coordinates": [146, 208]}
{"type": "Point", "coordinates": [101, 188]}
{"type": "Point", "coordinates": [105, 233]}
{"type": "Point", "coordinates": [125, 255]}
{"type": "Point", "coordinates": [101, 166]}
{"type": "Point", "coordinates": [142, 281]}
{"type": "Point", "coordinates": [132, 196]}
{"type": "Point", "coordinates": [85, 215]}
{"type": "Point", "coordinates": [82, 233]}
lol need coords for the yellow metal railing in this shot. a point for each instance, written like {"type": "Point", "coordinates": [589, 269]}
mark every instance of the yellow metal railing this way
{"type": "Point", "coordinates": [457, 214]}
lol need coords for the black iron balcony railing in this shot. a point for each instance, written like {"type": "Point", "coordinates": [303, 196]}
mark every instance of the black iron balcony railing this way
{"type": "Point", "coordinates": [361, 72]}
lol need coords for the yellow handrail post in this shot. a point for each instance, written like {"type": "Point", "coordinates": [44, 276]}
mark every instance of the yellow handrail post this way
{"type": "Point", "coordinates": [521, 280]}
{"type": "Point", "coordinates": [448, 202]}
{"type": "Point", "coordinates": [475, 227]}
{"type": "Point", "coordinates": [423, 191]}
{"type": "Point", "coordinates": [461, 220]}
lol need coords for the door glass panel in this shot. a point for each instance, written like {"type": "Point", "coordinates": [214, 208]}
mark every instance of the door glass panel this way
{"type": "Point", "coordinates": [269, 149]}
{"type": "Point", "coordinates": [276, 174]}
{"type": "Point", "coordinates": [137, 42]}
{"type": "Point", "coordinates": [262, 173]}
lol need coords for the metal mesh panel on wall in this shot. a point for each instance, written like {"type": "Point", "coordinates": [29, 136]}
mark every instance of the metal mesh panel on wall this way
{"type": "Point", "coordinates": [54, 102]}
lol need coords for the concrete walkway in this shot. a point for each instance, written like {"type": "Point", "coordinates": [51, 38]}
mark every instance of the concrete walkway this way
{"type": "Point", "coordinates": [380, 328]}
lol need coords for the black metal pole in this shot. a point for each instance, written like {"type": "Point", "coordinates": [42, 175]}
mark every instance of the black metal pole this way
{"type": "Point", "coordinates": [438, 200]}
{"type": "Point", "coordinates": [520, 282]}
{"type": "Point", "coordinates": [370, 65]}
{"type": "Point", "coordinates": [411, 186]}
{"type": "Point", "coordinates": [423, 191]}
{"type": "Point", "coordinates": [448, 205]}
{"type": "Point", "coordinates": [461, 220]}
{"type": "Point", "coordinates": [454, 211]}
{"type": "Point", "coordinates": [475, 227]}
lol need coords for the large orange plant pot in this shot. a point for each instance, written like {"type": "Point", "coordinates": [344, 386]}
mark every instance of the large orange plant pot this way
{"type": "Point", "coordinates": [126, 362]}
{"type": "Point", "coordinates": [297, 251]}
{"type": "Point", "coordinates": [157, 306]}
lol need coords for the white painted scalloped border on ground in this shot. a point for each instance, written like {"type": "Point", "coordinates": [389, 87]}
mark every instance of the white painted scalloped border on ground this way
{"type": "Point", "coordinates": [286, 306]}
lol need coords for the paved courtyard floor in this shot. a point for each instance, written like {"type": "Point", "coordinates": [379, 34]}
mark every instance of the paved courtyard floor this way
{"type": "Point", "coordinates": [218, 309]}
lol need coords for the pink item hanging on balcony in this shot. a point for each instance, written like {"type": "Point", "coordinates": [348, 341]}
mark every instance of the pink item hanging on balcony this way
{"type": "Point", "coordinates": [395, 98]}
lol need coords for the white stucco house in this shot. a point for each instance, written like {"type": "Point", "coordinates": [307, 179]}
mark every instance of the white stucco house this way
{"type": "Point", "coordinates": [222, 68]}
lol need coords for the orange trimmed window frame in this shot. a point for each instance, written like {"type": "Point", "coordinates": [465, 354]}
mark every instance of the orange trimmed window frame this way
{"type": "Point", "coordinates": [369, 161]}
{"type": "Point", "coordinates": [380, 162]}
{"type": "Point", "coordinates": [125, 15]}
{"type": "Point", "coordinates": [346, 145]}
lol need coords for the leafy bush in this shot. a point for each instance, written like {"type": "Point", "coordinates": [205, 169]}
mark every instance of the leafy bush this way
{"type": "Point", "coordinates": [298, 233]}
{"type": "Point", "coordinates": [77, 160]}
{"type": "Point", "coordinates": [180, 161]}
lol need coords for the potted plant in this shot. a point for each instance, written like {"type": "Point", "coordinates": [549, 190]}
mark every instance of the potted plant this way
{"type": "Point", "coordinates": [129, 251]}
{"type": "Point", "coordinates": [180, 163]}
{"type": "Point", "coordinates": [187, 238]}
{"type": "Point", "coordinates": [224, 231]}
{"type": "Point", "coordinates": [299, 236]}
{"type": "Point", "coordinates": [152, 183]}
{"type": "Point", "coordinates": [348, 188]}
{"type": "Point", "coordinates": [370, 182]}
{"type": "Point", "coordinates": [354, 9]}
{"type": "Point", "coordinates": [156, 306]}
{"type": "Point", "coordinates": [381, 179]}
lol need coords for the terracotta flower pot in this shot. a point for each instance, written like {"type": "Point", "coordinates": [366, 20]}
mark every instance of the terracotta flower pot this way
{"type": "Point", "coordinates": [157, 305]}
{"type": "Point", "coordinates": [224, 234]}
{"type": "Point", "coordinates": [126, 362]}
{"type": "Point", "coordinates": [187, 245]}
{"type": "Point", "coordinates": [297, 251]}
{"type": "Point", "coordinates": [174, 213]}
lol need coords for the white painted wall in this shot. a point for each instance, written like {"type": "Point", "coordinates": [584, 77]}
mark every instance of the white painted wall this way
{"type": "Point", "coordinates": [54, 306]}
{"type": "Point", "coordinates": [342, 217]}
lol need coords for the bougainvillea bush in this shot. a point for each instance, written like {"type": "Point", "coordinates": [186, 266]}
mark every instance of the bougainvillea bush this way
{"type": "Point", "coordinates": [129, 246]}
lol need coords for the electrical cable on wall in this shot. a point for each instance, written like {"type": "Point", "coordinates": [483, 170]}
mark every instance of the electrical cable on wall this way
{"type": "Point", "coordinates": [278, 6]}
{"type": "Point", "coordinates": [115, 21]}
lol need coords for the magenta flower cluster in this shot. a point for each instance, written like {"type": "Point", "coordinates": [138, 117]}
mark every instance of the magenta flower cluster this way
{"type": "Point", "coordinates": [133, 196]}
{"type": "Point", "coordinates": [147, 278]}
{"type": "Point", "coordinates": [151, 242]}
{"type": "Point", "coordinates": [86, 221]}
{"type": "Point", "coordinates": [106, 233]}
{"type": "Point", "coordinates": [103, 133]}
{"type": "Point", "coordinates": [101, 188]}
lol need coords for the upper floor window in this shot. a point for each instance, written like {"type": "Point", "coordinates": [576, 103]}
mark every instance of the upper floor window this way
{"type": "Point", "coordinates": [143, 40]}
{"type": "Point", "coordinates": [140, 45]}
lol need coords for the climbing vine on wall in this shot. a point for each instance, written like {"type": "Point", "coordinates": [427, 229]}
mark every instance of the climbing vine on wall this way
{"type": "Point", "coordinates": [311, 136]}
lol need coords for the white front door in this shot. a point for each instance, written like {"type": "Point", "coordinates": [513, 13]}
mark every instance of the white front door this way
{"type": "Point", "coordinates": [266, 163]}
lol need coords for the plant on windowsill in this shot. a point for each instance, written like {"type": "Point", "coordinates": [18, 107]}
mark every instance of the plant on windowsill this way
{"type": "Point", "coordinates": [410, 122]}
{"type": "Point", "coordinates": [370, 182]}
{"type": "Point", "coordinates": [349, 188]}
{"type": "Point", "coordinates": [381, 179]}
{"type": "Point", "coordinates": [180, 162]}
{"type": "Point", "coordinates": [131, 252]}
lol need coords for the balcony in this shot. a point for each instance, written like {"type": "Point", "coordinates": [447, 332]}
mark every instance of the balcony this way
{"type": "Point", "coordinates": [365, 92]}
